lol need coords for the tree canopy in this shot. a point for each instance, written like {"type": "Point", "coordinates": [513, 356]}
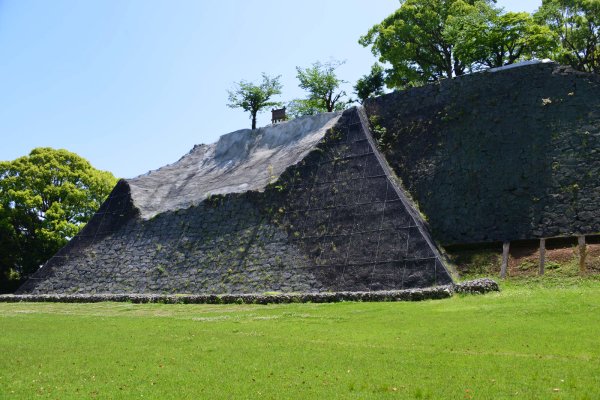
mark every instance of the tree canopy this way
{"type": "Point", "coordinates": [577, 24]}
{"type": "Point", "coordinates": [300, 107]}
{"type": "Point", "coordinates": [425, 40]}
{"type": "Point", "coordinates": [255, 97]}
{"type": "Point", "coordinates": [323, 86]}
{"type": "Point", "coordinates": [485, 37]}
{"type": "Point", "coordinates": [45, 199]}
{"type": "Point", "coordinates": [370, 85]}
{"type": "Point", "coordinates": [412, 41]}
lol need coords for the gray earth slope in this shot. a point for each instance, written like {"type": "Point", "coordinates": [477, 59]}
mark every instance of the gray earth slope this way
{"type": "Point", "coordinates": [244, 160]}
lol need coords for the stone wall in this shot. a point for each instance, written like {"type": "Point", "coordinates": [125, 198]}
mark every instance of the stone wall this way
{"type": "Point", "coordinates": [478, 286]}
{"type": "Point", "coordinates": [336, 221]}
{"type": "Point", "coordinates": [513, 154]}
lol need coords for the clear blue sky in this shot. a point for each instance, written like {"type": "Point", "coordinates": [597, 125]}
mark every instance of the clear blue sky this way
{"type": "Point", "coordinates": [133, 85]}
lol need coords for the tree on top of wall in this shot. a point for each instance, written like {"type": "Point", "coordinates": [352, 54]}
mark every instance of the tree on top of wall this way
{"type": "Point", "coordinates": [253, 97]}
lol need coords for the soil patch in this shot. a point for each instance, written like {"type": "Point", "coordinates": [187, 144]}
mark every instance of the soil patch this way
{"type": "Point", "coordinates": [524, 260]}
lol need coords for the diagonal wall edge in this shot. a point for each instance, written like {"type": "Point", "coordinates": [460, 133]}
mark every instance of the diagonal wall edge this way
{"type": "Point", "coordinates": [402, 194]}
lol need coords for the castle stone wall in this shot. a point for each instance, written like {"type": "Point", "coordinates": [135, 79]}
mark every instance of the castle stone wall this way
{"type": "Point", "coordinates": [334, 221]}
{"type": "Point", "coordinates": [513, 154]}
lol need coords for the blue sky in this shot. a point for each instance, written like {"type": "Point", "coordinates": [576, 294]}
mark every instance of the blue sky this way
{"type": "Point", "coordinates": [133, 85]}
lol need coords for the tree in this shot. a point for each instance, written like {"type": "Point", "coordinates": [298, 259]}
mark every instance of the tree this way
{"type": "Point", "coordinates": [322, 84]}
{"type": "Point", "coordinates": [370, 85]}
{"type": "Point", "coordinates": [254, 98]}
{"type": "Point", "coordinates": [485, 37]}
{"type": "Point", "coordinates": [300, 107]}
{"type": "Point", "coordinates": [577, 24]}
{"type": "Point", "coordinates": [45, 199]}
{"type": "Point", "coordinates": [8, 251]}
{"type": "Point", "coordinates": [412, 41]}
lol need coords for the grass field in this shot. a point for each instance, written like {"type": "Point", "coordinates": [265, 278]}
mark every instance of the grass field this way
{"type": "Point", "coordinates": [534, 340]}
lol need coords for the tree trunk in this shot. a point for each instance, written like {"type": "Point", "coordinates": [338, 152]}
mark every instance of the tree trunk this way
{"type": "Point", "coordinates": [542, 256]}
{"type": "Point", "coordinates": [328, 102]}
{"type": "Point", "coordinates": [505, 257]}
{"type": "Point", "coordinates": [253, 120]}
{"type": "Point", "coordinates": [448, 62]}
{"type": "Point", "coordinates": [582, 253]}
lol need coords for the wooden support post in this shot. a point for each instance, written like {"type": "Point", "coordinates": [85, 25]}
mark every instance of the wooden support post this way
{"type": "Point", "coordinates": [504, 267]}
{"type": "Point", "coordinates": [582, 253]}
{"type": "Point", "coordinates": [542, 255]}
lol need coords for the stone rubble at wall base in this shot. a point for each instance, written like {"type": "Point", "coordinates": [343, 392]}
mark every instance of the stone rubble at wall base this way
{"type": "Point", "coordinates": [479, 286]}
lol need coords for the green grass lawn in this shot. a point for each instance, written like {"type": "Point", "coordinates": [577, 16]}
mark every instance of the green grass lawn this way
{"type": "Point", "coordinates": [539, 340]}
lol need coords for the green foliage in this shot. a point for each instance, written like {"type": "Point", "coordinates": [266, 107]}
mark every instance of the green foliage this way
{"type": "Point", "coordinates": [527, 265]}
{"type": "Point", "coordinates": [45, 199]}
{"type": "Point", "coordinates": [413, 42]}
{"type": "Point", "coordinates": [380, 133]}
{"type": "Point", "coordinates": [552, 265]}
{"type": "Point", "coordinates": [300, 107]}
{"type": "Point", "coordinates": [215, 200]}
{"type": "Point", "coordinates": [425, 40]}
{"type": "Point", "coordinates": [255, 97]}
{"type": "Point", "coordinates": [485, 37]}
{"type": "Point", "coordinates": [477, 263]}
{"type": "Point", "coordinates": [464, 347]}
{"type": "Point", "coordinates": [9, 252]}
{"type": "Point", "coordinates": [322, 85]}
{"type": "Point", "coordinates": [370, 85]}
{"type": "Point", "coordinates": [161, 269]}
{"type": "Point", "coordinates": [577, 24]}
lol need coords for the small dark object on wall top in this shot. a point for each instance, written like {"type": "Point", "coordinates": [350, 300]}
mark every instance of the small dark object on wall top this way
{"type": "Point", "coordinates": [278, 115]}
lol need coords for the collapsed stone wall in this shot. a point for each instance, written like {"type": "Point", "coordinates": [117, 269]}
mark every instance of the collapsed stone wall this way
{"type": "Point", "coordinates": [334, 221]}
{"type": "Point", "coordinates": [513, 154]}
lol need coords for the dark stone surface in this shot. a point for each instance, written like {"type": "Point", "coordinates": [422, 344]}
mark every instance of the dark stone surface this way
{"type": "Point", "coordinates": [477, 286]}
{"type": "Point", "coordinates": [499, 156]}
{"type": "Point", "coordinates": [432, 293]}
{"type": "Point", "coordinates": [336, 221]}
